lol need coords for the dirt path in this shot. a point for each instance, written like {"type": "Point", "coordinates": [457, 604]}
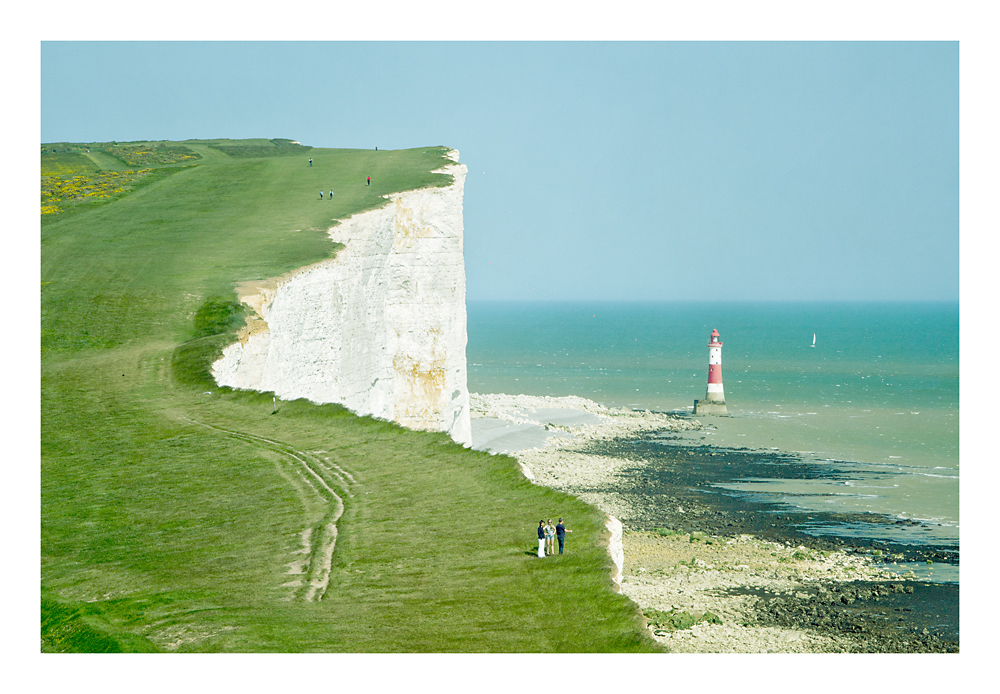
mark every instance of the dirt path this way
{"type": "Point", "coordinates": [315, 479]}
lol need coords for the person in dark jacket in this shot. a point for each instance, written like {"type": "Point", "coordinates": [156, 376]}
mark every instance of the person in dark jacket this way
{"type": "Point", "coordinates": [541, 539]}
{"type": "Point", "coordinates": [561, 534]}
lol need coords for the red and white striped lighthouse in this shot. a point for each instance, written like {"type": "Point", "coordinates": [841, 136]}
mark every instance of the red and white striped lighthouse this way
{"type": "Point", "coordinates": [715, 399]}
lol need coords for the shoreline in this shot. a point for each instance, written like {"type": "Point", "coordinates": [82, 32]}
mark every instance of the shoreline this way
{"type": "Point", "coordinates": [692, 554]}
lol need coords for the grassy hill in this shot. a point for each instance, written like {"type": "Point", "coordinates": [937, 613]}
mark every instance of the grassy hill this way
{"type": "Point", "coordinates": [173, 510]}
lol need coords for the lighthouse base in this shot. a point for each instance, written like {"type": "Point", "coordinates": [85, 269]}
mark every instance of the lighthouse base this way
{"type": "Point", "coordinates": [709, 407]}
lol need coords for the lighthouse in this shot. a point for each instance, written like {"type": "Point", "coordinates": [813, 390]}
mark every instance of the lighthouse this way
{"type": "Point", "coordinates": [715, 399]}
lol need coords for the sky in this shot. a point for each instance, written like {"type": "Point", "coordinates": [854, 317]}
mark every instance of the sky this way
{"type": "Point", "coordinates": [637, 171]}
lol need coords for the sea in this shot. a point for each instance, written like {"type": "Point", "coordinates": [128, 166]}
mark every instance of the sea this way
{"type": "Point", "coordinates": [871, 389]}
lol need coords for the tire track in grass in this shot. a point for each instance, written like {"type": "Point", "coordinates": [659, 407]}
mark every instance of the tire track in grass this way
{"type": "Point", "coordinates": [319, 540]}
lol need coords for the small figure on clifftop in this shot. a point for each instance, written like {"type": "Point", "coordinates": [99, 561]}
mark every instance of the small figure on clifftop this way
{"type": "Point", "coordinates": [369, 180]}
{"type": "Point", "coordinates": [541, 539]}
{"type": "Point", "coordinates": [321, 195]}
{"type": "Point", "coordinates": [550, 538]}
{"type": "Point", "coordinates": [310, 161]}
{"type": "Point", "coordinates": [331, 195]}
{"type": "Point", "coordinates": [561, 534]}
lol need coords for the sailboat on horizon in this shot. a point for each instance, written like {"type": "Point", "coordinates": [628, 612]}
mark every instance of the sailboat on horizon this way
{"type": "Point", "coordinates": [814, 340]}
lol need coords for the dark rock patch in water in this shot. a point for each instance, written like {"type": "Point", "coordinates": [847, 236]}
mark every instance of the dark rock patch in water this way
{"type": "Point", "coordinates": [877, 617]}
{"type": "Point", "coordinates": [675, 489]}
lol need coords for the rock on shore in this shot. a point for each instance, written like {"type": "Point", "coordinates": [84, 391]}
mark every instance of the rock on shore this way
{"type": "Point", "coordinates": [696, 573]}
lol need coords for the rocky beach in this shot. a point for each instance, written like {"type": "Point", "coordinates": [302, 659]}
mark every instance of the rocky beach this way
{"type": "Point", "coordinates": [715, 572]}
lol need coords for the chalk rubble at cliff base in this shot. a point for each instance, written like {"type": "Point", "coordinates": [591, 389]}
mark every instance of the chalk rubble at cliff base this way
{"type": "Point", "coordinates": [676, 573]}
{"type": "Point", "coordinates": [522, 423]}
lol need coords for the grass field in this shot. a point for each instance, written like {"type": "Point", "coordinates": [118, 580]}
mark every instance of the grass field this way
{"type": "Point", "coordinates": [172, 510]}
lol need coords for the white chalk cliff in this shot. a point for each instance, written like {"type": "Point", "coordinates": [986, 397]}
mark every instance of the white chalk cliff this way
{"type": "Point", "coordinates": [380, 328]}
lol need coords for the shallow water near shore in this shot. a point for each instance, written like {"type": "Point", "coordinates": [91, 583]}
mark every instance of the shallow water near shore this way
{"type": "Point", "coordinates": [875, 400]}
{"type": "Point", "coordinates": [903, 490]}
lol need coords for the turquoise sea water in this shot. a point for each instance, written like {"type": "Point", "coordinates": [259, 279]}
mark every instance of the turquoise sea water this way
{"type": "Point", "coordinates": [878, 393]}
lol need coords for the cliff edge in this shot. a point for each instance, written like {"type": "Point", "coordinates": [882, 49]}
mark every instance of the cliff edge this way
{"type": "Point", "coordinates": [380, 328]}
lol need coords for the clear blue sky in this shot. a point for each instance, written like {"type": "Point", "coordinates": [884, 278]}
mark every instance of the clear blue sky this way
{"type": "Point", "coordinates": [622, 171]}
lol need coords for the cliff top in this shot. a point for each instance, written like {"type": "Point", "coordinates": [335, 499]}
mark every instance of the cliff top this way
{"type": "Point", "coordinates": [245, 209]}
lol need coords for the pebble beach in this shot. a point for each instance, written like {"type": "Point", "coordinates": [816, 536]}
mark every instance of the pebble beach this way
{"type": "Point", "coordinates": [712, 579]}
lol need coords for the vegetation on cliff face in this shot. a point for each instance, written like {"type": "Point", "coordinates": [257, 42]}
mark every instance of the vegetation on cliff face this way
{"type": "Point", "coordinates": [176, 515]}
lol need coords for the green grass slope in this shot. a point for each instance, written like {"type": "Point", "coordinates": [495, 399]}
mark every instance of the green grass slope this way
{"type": "Point", "coordinates": [173, 510]}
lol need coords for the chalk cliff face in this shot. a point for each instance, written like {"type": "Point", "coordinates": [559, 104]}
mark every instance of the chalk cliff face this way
{"type": "Point", "coordinates": [381, 328]}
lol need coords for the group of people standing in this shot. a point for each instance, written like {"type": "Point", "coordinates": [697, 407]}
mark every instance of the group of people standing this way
{"type": "Point", "coordinates": [547, 536]}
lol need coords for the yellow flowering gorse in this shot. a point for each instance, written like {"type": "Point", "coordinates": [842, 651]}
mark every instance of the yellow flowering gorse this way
{"type": "Point", "coordinates": [59, 191]}
{"type": "Point", "coordinates": [146, 155]}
